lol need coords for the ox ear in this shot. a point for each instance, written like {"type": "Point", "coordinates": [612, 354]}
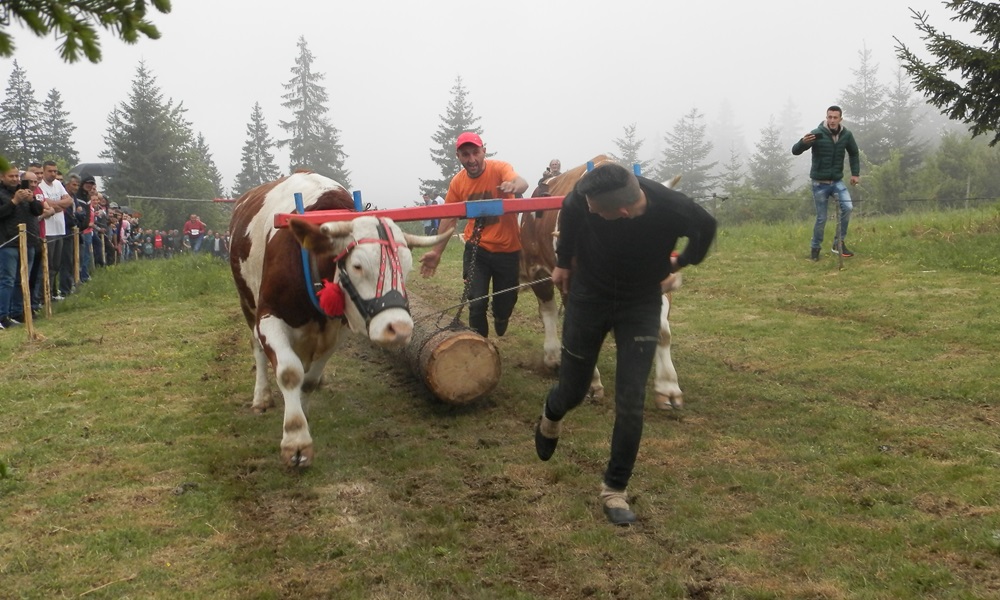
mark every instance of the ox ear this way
{"type": "Point", "coordinates": [423, 241]}
{"type": "Point", "coordinates": [310, 236]}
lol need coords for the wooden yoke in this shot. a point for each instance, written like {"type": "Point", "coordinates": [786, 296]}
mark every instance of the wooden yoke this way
{"type": "Point", "coordinates": [455, 210]}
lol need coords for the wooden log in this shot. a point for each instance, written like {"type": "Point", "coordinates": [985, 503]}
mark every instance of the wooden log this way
{"type": "Point", "coordinates": [456, 364]}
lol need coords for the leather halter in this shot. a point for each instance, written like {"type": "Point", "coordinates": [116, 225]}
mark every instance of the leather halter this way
{"type": "Point", "coordinates": [389, 289]}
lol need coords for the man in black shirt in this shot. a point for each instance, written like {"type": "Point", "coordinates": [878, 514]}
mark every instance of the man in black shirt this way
{"type": "Point", "coordinates": [616, 235]}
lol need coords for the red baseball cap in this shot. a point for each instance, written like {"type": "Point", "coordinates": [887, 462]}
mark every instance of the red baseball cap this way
{"type": "Point", "coordinates": [469, 138]}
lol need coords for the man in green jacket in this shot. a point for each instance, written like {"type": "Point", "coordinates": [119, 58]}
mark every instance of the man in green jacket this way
{"type": "Point", "coordinates": [828, 143]}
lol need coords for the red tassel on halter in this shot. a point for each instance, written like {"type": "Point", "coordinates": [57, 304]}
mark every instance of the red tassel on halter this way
{"type": "Point", "coordinates": [331, 298]}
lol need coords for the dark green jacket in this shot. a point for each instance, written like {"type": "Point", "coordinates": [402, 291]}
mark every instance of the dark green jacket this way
{"type": "Point", "coordinates": [828, 155]}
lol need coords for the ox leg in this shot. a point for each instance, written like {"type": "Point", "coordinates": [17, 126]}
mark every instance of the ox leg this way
{"type": "Point", "coordinates": [314, 376]}
{"type": "Point", "coordinates": [296, 442]}
{"type": "Point", "coordinates": [549, 313]}
{"type": "Point", "coordinates": [668, 392]}
{"type": "Point", "coordinates": [262, 399]}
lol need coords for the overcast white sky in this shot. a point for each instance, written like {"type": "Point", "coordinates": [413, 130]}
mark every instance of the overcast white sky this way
{"type": "Point", "coordinates": [549, 78]}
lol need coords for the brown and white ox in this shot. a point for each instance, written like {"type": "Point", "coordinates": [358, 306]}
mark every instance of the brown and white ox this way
{"type": "Point", "coordinates": [368, 258]}
{"type": "Point", "coordinates": [538, 258]}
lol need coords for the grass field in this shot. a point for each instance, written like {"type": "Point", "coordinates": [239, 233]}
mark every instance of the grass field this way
{"type": "Point", "coordinates": [841, 440]}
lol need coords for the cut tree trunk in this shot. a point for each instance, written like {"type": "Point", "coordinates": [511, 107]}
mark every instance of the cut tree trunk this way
{"type": "Point", "coordinates": [456, 364]}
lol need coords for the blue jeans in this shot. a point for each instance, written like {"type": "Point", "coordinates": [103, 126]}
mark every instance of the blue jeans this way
{"type": "Point", "coordinates": [8, 273]}
{"type": "Point", "coordinates": [504, 270]}
{"type": "Point", "coordinates": [821, 197]}
{"type": "Point", "coordinates": [86, 247]}
{"type": "Point", "coordinates": [17, 298]}
{"type": "Point", "coordinates": [196, 243]}
{"type": "Point", "coordinates": [636, 326]}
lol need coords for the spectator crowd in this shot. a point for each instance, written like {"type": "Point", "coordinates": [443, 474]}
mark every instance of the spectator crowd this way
{"type": "Point", "coordinates": [81, 231]}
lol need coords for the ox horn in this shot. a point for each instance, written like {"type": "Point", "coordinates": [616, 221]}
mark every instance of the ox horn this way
{"type": "Point", "coordinates": [338, 228]}
{"type": "Point", "coordinates": [423, 241]}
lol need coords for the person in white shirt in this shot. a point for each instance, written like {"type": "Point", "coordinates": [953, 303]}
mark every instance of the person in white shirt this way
{"type": "Point", "coordinates": [55, 226]}
{"type": "Point", "coordinates": [437, 222]}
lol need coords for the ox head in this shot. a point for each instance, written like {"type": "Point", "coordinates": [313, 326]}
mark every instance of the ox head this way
{"type": "Point", "coordinates": [371, 257]}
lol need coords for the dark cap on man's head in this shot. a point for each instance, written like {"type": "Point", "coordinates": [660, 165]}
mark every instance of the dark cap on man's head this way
{"type": "Point", "coordinates": [88, 179]}
{"type": "Point", "coordinates": [469, 138]}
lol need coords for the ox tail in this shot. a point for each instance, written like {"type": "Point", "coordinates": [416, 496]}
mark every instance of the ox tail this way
{"type": "Point", "coordinates": [671, 283]}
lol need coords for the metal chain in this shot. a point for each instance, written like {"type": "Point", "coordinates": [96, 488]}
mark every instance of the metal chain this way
{"type": "Point", "coordinates": [469, 301]}
{"type": "Point", "coordinates": [477, 234]}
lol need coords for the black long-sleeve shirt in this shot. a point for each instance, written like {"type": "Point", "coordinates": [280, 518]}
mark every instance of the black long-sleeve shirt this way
{"type": "Point", "coordinates": [11, 215]}
{"type": "Point", "coordinates": [628, 258]}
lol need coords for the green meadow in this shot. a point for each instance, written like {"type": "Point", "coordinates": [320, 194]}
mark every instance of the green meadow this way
{"type": "Point", "coordinates": [840, 440]}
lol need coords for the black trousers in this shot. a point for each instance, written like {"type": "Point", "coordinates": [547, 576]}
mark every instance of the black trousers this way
{"type": "Point", "coordinates": [481, 267]}
{"type": "Point", "coordinates": [636, 325]}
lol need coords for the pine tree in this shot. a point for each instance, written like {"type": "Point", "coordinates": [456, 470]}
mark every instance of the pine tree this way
{"type": "Point", "coordinates": [726, 133]}
{"type": "Point", "coordinates": [964, 81]}
{"type": "Point", "coordinates": [57, 131]}
{"type": "Point", "coordinates": [864, 107]}
{"type": "Point", "coordinates": [457, 119]}
{"type": "Point", "coordinates": [733, 177]}
{"type": "Point", "coordinates": [258, 161]}
{"type": "Point", "coordinates": [901, 122]}
{"type": "Point", "coordinates": [314, 143]}
{"type": "Point", "coordinates": [770, 165]}
{"type": "Point", "coordinates": [628, 147]}
{"type": "Point", "coordinates": [153, 148]}
{"type": "Point", "coordinates": [21, 120]}
{"type": "Point", "coordinates": [204, 166]}
{"type": "Point", "coordinates": [790, 123]}
{"type": "Point", "coordinates": [73, 23]}
{"type": "Point", "coordinates": [686, 153]}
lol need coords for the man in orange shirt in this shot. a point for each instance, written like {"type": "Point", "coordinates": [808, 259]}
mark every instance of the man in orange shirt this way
{"type": "Point", "coordinates": [496, 255]}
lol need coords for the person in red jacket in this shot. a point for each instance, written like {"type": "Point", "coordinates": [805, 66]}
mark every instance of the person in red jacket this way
{"type": "Point", "coordinates": [194, 231]}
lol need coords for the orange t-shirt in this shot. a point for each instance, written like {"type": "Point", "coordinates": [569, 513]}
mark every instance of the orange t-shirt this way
{"type": "Point", "coordinates": [501, 234]}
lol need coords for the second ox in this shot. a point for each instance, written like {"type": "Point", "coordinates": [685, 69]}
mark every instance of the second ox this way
{"type": "Point", "coordinates": [538, 259]}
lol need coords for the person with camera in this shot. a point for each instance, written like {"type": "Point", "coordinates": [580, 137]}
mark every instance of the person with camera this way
{"type": "Point", "coordinates": [554, 169]}
{"type": "Point", "coordinates": [17, 205]}
{"type": "Point", "coordinates": [828, 143]}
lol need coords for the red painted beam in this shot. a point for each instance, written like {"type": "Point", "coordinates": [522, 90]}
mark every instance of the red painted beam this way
{"type": "Point", "coordinates": [455, 210]}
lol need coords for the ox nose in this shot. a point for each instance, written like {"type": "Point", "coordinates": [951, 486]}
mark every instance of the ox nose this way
{"type": "Point", "coordinates": [397, 332]}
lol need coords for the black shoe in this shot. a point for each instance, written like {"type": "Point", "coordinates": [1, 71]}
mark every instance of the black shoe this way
{"type": "Point", "coordinates": [619, 516]}
{"type": "Point", "coordinates": [7, 323]}
{"type": "Point", "coordinates": [500, 327]}
{"type": "Point", "coordinates": [814, 254]}
{"type": "Point", "coordinates": [616, 508]}
{"type": "Point", "coordinates": [844, 251]}
{"type": "Point", "coordinates": [545, 447]}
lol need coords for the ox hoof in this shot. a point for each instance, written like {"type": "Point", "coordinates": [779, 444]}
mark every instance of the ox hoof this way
{"type": "Point", "coordinates": [671, 402]}
{"type": "Point", "coordinates": [298, 458]}
{"type": "Point", "coordinates": [596, 392]}
{"type": "Point", "coordinates": [261, 405]}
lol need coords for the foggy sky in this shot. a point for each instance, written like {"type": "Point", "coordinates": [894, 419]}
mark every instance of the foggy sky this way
{"type": "Point", "coordinates": [550, 79]}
